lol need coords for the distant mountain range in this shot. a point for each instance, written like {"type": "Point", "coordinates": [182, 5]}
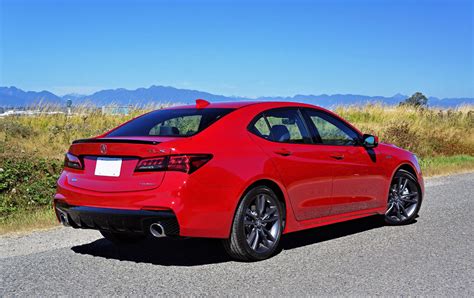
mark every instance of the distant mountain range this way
{"type": "Point", "coordinates": [14, 97]}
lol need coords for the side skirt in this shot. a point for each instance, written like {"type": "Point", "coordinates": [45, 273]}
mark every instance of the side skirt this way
{"type": "Point", "coordinates": [331, 219]}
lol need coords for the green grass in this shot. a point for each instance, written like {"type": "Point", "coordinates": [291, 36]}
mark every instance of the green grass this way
{"type": "Point", "coordinates": [443, 165]}
{"type": "Point", "coordinates": [27, 220]}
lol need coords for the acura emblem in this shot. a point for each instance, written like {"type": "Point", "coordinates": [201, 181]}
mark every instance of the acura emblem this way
{"type": "Point", "coordinates": [103, 148]}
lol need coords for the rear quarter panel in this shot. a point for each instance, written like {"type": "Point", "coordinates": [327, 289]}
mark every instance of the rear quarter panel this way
{"type": "Point", "coordinates": [214, 191]}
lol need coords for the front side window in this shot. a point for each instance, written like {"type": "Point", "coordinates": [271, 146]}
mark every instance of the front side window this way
{"type": "Point", "coordinates": [170, 123]}
{"type": "Point", "coordinates": [281, 125]}
{"type": "Point", "coordinates": [331, 131]}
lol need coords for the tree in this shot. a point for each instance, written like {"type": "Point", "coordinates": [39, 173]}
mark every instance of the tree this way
{"type": "Point", "coordinates": [416, 100]}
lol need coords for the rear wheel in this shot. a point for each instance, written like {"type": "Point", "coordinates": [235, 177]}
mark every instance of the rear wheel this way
{"type": "Point", "coordinates": [257, 226]}
{"type": "Point", "coordinates": [122, 238]}
{"type": "Point", "coordinates": [404, 199]}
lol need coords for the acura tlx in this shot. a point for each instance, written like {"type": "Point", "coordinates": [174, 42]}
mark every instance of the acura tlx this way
{"type": "Point", "coordinates": [245, 172]}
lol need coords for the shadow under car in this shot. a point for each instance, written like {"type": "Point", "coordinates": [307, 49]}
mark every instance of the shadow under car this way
{"type": "Point", "coordinates": [197, 251]}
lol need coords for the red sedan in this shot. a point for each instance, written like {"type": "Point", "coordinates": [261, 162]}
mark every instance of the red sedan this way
{"type": "Point", "coordinates": [246, 172]}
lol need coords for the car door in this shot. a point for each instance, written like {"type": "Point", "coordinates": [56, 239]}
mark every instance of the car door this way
{"type": "Point", "coordinates": [305, 172]}
{"type": "Point", "coordinates": [356, 170]}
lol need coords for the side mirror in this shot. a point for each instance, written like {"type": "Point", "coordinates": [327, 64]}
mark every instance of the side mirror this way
{"type": "Point", "coordinates": [369, 141]}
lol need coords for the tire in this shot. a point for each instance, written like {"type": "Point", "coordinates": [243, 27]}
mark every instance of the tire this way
{"type": "Point", "coordinates": [122, 238]}
{"type": "Point", "coordinates": [252, 224]}
{"type": "Point", "coordinates": [404, 199]}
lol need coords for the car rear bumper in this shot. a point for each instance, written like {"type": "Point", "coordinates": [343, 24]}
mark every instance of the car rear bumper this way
{"type": "Point", "coordinates": [116, 220]}
{"type": "Point", "coordinates": [201, 206]}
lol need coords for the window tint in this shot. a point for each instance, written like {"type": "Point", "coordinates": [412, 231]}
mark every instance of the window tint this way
{"type": "Point", "coordinates": [261, 128]}
{"type": "Point", "coordinates": [331, 131]}
{"type": "Point", "coordinates": [179, 122]}
{"type": "Point", "coordinates": [187, 125]}
{"type": "Point", "coordinates": [281, 125]}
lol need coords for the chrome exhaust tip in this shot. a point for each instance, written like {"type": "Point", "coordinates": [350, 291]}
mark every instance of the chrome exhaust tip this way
{"type": "Point", "coordinates": [157, 230]}
{"type": "Point", "coordinates": [63, 219]}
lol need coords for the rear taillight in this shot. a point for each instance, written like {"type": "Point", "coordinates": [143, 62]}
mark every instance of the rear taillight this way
{"type": "Point", "coordinates": [186, 163]}
{"type": "Point", "coordinates": [152, 164]}
{"type": "Point", "coordinates": [72, 161]}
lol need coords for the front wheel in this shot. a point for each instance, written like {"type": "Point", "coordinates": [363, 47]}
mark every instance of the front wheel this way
{"type": "Point", "coordinates": [257, 226]}
{"type": "Point", "coordinates": [404, 199]}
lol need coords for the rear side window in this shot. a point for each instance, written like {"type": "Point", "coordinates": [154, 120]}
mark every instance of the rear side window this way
{"type": "Point", "coordinates": [261, 128]}
{"type": "Point", "coordinates": [281, 125]}
{"type": "Point", "coordinates": [170, 123]}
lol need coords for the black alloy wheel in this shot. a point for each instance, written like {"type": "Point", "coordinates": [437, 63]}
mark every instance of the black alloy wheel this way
{"type": "Point", "coordinates": [257, 226]}
{"type": "Point", "coordinates": [404, 199]}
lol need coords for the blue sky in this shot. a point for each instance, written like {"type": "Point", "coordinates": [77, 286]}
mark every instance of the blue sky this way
{"type": "Point", "coordinates": [246, 48]}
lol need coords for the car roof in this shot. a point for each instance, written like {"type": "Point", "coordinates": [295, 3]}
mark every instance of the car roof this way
{"type": "Point", "coordinates": [241, 104]}
{"type": "Point", "coordinates": [263, 105]}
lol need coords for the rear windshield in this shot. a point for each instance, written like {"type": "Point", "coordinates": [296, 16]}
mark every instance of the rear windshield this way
{"type": "Point", "coordinates": [170, 123]}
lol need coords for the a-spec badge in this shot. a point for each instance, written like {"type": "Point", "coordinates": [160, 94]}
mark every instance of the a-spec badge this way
{"type": "Point", "coordinates": [155, 151]}
{"type": "Point", "coordinates": [103, 148]}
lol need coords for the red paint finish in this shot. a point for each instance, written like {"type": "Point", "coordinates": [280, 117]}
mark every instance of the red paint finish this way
{"type": "Point", "coordinates": [320, 183]}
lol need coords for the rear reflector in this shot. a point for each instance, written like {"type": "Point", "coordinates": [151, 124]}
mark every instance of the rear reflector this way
{"type": "Point", "coordinates": [186, 163]}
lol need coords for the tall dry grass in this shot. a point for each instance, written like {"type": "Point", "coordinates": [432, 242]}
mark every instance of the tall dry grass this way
{"type": "Point", "coordinates": [426, 132]}
{"type": "Point", "coordinates": [48, 135]}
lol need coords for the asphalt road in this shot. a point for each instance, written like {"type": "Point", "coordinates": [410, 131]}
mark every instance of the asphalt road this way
{"type": "Point", "coordinates": [433, 256]}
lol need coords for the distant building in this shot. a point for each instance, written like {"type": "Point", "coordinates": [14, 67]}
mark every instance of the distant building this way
{"type": "Point", "coordinates": [116, 110]}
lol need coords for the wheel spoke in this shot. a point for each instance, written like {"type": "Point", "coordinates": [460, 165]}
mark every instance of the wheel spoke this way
{"type": "Point", "coordinates": [399, 213]}
{"type": "Point", "coordinates": [261, 205]}
{"type": "Point", "coordinates": [404, 185]}
{"type": "Point", "coordinates": [271, 219]}
{"type": "Point", "coordinates": [412, 201]}
{"type": "Point", "coordinates": [269, 235]}
{"type": "Point", "coordinates": [265, 242]}
{"type": "Point", "coordinates": [251, 236]}
{"type": "Point", "coordinates": [402, 210]}
{"type": "Point", "coordinates": [390, 208]}
{"type": "Point", "coordinates": [270, 212]}
{"type": "Point", "coordinates": [255, 241]}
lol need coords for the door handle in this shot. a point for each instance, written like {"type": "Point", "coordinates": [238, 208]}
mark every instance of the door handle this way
{"type": "Point", "coordinates": [283, 152]}
{"type": "Point", "coordinates": [337, 156]}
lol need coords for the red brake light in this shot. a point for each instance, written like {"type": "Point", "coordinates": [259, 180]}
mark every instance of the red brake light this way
{"type": "Point", "coordinates": [179, 163]}
{"type": "Point", "coordinates": [152, 164]}
{"type": "Point", "coordinates": [186, 163]}
{"type": "Point", "coordinates": [72, 161]}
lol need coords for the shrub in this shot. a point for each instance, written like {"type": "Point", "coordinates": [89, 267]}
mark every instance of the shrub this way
{"type": "Point", "coordinates": [26, 182]}
{"type": "Point", "coordinates": [401, 134]}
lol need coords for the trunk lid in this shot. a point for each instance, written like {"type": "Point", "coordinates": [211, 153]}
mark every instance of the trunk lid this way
{"type": "Point", "coordinates": [109, 163]}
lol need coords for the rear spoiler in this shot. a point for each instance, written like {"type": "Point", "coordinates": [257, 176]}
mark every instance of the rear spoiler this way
{"type": "Point", "coordinates": [105, 140]}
